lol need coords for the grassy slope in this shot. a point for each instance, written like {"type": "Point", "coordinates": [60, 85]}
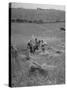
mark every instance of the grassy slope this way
{"type": "Point", "coordinates": [45, 15]}
{"type": "Point", "coordinates": [50, 32]}
{"type": "Point", "coordinates": [21, 33]}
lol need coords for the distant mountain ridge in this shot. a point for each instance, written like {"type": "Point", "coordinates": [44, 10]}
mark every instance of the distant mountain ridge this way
{"type": "Point", "coordinates": [37, 15]}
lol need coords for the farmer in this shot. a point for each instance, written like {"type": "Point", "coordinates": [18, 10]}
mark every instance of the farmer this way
{"type": "Point", "coordinates": [30, 46]}
{"type": "Point", "coordinates": [37, 43]}
{"type": "Point", "coordinates": [43, 46]}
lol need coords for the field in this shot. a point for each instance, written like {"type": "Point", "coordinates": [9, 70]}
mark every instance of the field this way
{"type": "Point", "coordinates": [53, 63]}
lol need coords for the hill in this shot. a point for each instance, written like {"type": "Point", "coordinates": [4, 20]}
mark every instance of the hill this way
{"type": "Point", "coordinates": [37, 15]}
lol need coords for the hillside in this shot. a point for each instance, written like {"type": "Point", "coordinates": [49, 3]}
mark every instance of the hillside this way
{"type": "Point", "coordinates": [37, 15]}
{"type": "Point", "coordinates": [40, 68]}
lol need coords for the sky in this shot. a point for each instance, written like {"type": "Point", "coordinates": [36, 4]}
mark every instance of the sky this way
{"type": "Point", "coordinates": [34, 6]}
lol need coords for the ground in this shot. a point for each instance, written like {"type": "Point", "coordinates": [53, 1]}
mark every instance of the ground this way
{"type": "Point", "coordinates": [53, 62]}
